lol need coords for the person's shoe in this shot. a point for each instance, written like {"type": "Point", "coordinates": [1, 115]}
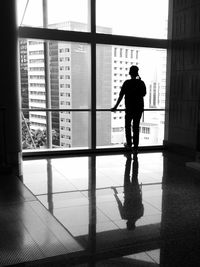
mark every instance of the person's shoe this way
{"type": "Point", "coordinates": [135, 149]}
{"type": "Point", "coordinates": [127, 145]}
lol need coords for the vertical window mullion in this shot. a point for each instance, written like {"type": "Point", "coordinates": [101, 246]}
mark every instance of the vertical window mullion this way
{"type": "Point", "coordinates": [47, 78]}
{"type": "Point", "coordinates": [93, 73]}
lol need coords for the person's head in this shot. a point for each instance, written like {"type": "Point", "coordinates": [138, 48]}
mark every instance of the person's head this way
{"type": "Point", "coordinates": [134, 71]}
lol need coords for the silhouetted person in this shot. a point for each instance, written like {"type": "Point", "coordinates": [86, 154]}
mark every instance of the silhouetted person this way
{"type": "Point", "coordinates": [134, 90]}
{"type": "Point", "coordinates": [132, 208]}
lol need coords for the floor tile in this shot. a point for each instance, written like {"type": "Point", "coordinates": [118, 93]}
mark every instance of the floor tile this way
{"type": "Point", "coordinates": [155, 255]}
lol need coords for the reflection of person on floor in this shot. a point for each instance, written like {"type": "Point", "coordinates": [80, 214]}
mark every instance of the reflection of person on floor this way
{"type": "Point", "coordinates": [132, 209]}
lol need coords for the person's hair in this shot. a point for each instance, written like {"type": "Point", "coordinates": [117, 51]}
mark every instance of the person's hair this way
{"type": "Point", "coordinates": [134, 71]}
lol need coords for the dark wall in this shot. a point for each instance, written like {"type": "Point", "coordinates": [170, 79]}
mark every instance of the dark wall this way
{"type": "Point", "coordinates": [9, 86]}
{"type": "Point", "coordinates": [184, 95]}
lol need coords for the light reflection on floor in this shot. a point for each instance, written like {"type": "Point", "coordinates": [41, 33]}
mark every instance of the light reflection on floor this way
{"type": "Point", "coordinates": [127, 199]}
{"type": "Point", "coordinates": [111, 210]}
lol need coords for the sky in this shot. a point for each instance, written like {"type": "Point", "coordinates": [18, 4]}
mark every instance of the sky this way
{"type": "Point", "coordinates": [144, 18]}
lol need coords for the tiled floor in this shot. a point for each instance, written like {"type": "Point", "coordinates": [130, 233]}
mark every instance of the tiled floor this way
{"type": "Point", "coordinates": [28, 232]}
{"type": "Point", "coordinates": [104, 210]}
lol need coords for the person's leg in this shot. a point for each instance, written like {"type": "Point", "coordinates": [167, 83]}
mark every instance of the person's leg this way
{"type": "Point", "coordinates": [128, 119]}
{"type": "Point", "coordinates": [127, 181]}
{"type": "Point", "coordinates": [136, 124]}
{"type": "Point", "coordinates": [135, 166]}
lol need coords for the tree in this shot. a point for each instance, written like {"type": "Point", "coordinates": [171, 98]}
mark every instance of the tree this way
{"type": "Point", "coordinates": [32, 138]}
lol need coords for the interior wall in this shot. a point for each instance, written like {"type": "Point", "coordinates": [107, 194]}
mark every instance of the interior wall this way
{"type": "Point", "coordinates": [184, 96]}
{"type": "Point", "coordinates": [10, 135]}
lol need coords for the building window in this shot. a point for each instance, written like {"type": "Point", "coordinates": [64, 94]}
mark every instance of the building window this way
{"type": "Point", "coordinates": [137, 54]}
{"type": "Point", "coordinates": [66, 95]}
{"type": "Point", "coordinates": [132, 53]}
{"type": "Point", "coordinates": [146, 130]}
{"type": "Point", "coordinates": [126, 53]}
{"type": "Point", "coordinates": [115, 52]}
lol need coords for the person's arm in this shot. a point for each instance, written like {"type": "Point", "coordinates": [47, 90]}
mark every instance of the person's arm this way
{"type": "Point", "coordinates": [121, 94]}
{"type": "Point", "coordinates": [117, 103]}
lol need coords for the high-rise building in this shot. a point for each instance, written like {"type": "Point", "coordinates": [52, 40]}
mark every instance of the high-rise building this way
{"type": "Point", "coordinates": [36, 83]}
{"type": "Point", "coordinates": [74, 88]}
{"type": "Point", "coordinates": [24, 76]}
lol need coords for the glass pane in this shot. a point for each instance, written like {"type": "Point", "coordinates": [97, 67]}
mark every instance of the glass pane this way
{"type": "Point", "coordinates": [52, 77]}
{"type": "Point", "coordinates": [113, 63]}
{"type": "Point", "coordinates": [111, 130]}
{"type": "Point", "coordinates": [104, 128]}
{"type": "Point", "coordinates": [69, 15]}
{"type": "Point", "coordinates": [66, 75]}
{"type": "Point", "coordinates": [152, 128]}
{"type": "Point", "coordinates": [142, 18]}
{"type": "Point", "coordinates": [67, 130]}
{"type": "Point", "coordinates": [30, 13]}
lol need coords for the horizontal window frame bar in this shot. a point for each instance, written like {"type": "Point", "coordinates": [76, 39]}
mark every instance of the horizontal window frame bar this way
{"type": "Point", "coordinates": [102, 109]}
{"type": "Point", "coordinates": [89, 37]}
{"type": "Point", "coordinates": [53, 110]}
{"type": "Point", "coordinates": [80, 110]}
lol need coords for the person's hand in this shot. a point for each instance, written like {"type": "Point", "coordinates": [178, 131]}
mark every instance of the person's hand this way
{"type": "Point", "coordinates": [113, 109]}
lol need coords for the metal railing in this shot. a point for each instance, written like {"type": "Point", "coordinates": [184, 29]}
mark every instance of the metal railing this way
{"type": "Point", "coordinates": [34, 146]}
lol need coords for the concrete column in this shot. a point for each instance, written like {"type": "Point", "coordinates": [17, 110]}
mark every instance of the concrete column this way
{"type": "Point", "coordinates": [183, 101]}
{"type": "Point", "coordinates": [9, 99]}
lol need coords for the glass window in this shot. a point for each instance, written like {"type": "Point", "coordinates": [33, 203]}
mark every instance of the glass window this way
{"type": "Point", "coordinates": [71, 91]}
{"type": "Point", "coordinates": [152, 128]}
{"type": "Point", "coordinates": [44, 130]}
{"type": "Point", "coordinates": [71, 15]}
{"type": "Point", "coordinates": [75, 84]}
{"type": "Point", "coordinates": [152, 70]}
{"type": "Point", "coordinates": [56, 75]}
{"type": "Point", "coordinates": [141, 18]}
{"type": "Point", "coordinates": [111, 130]}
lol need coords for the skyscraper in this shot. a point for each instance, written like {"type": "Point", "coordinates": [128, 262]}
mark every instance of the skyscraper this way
{"type": "Point", "coordinates": [24, 76]}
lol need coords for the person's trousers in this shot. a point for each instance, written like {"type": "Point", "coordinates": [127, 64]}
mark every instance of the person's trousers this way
{"type": "Point", "coordinates": [132, 124]}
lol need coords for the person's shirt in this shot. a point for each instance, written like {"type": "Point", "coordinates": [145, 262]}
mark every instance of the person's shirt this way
{"type": "Point", "coordinates": [134, 90]}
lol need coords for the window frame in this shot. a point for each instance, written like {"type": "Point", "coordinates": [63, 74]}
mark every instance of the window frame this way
{"type": "Point", "coordinates": [93, 39]}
